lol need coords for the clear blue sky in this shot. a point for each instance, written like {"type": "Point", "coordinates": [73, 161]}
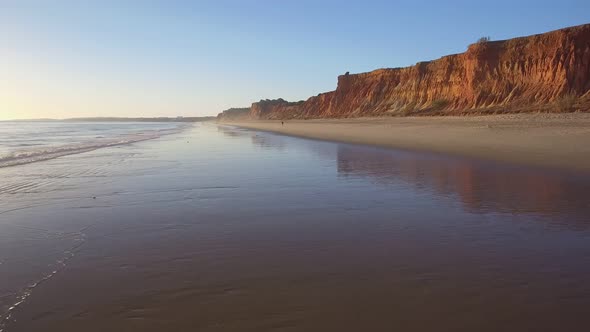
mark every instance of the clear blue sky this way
{"type": "Point", "coordinates": [148, 58]}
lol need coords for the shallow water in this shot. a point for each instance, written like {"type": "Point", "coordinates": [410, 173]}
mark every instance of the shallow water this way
{"type": "Point", "coordinates": [224, 229]}
{"type": "Point", "coordinates": [23, 142]}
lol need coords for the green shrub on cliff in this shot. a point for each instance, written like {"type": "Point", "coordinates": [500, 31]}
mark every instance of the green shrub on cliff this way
{"type": "Point", "coordinates": [439, 104]}
{"type": "Point", "coordinates": [566, 103]}
{"type": "Point", "coordinates": [484, 40]}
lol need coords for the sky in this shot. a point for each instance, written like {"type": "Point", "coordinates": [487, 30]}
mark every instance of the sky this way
{"type": "Point", "coordinates": [62, 59]}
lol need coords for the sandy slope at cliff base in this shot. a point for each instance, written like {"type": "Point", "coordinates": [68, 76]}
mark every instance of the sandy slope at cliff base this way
{"type": "Point", "coordinates": [548, 140]}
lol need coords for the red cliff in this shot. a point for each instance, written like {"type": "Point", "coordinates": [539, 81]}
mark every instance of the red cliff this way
{"type": "Point", "coordinates": [546, 72]}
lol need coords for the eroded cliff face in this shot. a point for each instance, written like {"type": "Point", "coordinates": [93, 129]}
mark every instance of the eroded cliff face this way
{"type": "Point", "coordinates": [546, 72]}
{"type": "Point", "coordinates": [275, 109]}
{"type": "Point", "coordinates": [234, 114]}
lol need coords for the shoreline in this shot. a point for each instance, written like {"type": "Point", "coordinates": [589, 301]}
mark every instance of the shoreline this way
{"type": "Point", "coordinates": [25, 157]}
{"type": "Point", "coordinates": [554, 141]}
{"type": "Point", "coordinates": [214, 219]}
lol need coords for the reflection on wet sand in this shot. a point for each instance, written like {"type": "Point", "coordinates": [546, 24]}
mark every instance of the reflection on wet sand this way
{"type": "Point", "coordinates": [258, 139]}
{"type": "Point", "coordinates": [251, 231]}
{"type": "Point", "coordinates": [233, 131]}
{"type": "Point", "coordinates": [480, 187]}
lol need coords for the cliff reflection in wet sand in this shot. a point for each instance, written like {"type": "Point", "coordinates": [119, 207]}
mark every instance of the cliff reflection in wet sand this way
{"type": "Point", "coordinates": [481, 187]}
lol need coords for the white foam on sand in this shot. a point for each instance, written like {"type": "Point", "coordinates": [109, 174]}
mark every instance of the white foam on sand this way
{"type": "Point", "coordinates": [21, 297]}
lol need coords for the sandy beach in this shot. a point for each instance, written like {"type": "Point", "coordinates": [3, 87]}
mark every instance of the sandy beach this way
{"type": "Point", "coordinates": [219, 166]}
{"type": "Point", "coordinates": [546, 140]}
{"type": "Point", "coordinates": [217, 228]}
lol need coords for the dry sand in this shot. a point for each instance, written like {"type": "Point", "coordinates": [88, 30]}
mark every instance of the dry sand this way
{"type": "Point", "coordinates": [548, 140]}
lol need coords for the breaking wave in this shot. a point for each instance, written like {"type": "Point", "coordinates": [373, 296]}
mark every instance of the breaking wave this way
{"type": "Point", "coordinates": [45, 153]}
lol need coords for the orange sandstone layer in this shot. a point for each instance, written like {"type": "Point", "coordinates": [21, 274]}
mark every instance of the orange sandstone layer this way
{"type": "Point", "coordinates": [548, 72]}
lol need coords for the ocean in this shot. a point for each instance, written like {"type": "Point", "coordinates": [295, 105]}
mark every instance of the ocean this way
{"type": "Point", "coordinates": [23, 142]}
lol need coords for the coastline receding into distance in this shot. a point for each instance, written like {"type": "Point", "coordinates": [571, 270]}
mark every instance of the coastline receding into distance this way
{"type": "Point", "coordinates": [523, 100]}
{"type": "Point", "coordinates": [546, 140]}
{"type": "Point", "coordinates": [418, 176]}
{"type": "Point", "coordinates": [547, 72]}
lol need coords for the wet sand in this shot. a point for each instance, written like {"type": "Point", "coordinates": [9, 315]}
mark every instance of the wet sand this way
{"type": "Point", "coordinates": [548, 140]}
{"type": "Point", "coordinates": [226, 229]}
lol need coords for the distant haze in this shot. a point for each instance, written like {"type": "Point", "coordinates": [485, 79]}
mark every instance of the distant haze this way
{"type": "Point", "coordinates": [63, 59]}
